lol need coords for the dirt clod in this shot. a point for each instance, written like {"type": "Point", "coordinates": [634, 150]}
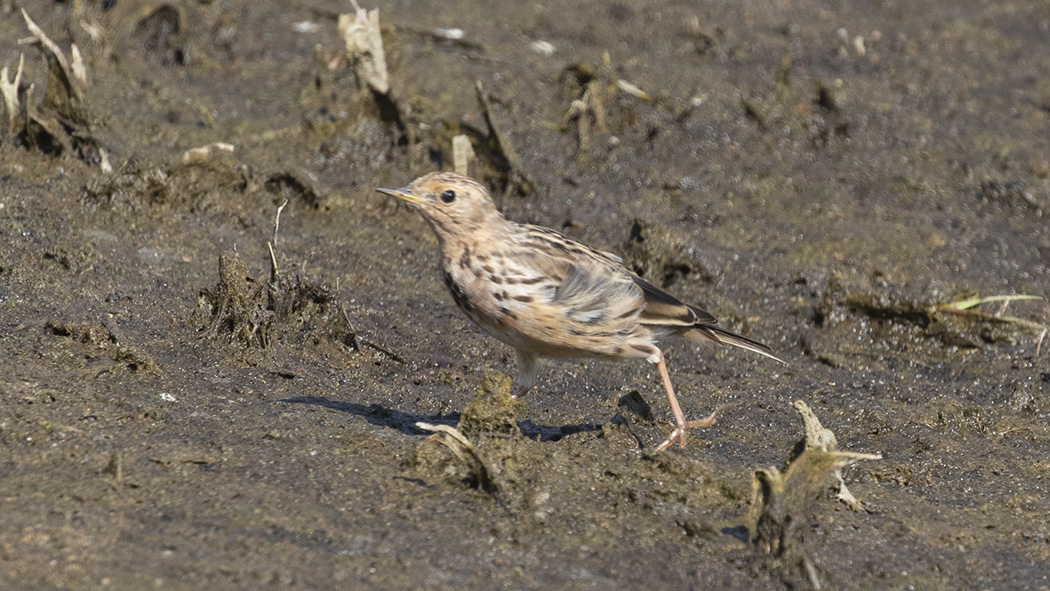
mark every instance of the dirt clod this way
{"type": "Point", "coordinates": [493, 411]}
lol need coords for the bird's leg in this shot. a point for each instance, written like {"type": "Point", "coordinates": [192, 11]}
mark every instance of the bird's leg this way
{"type": "Point", "coordinates": [526, 373]}
{"type": "Point", "coordinates": [679, 432]}
{"type": "Point", "coordinates": [679, 417]}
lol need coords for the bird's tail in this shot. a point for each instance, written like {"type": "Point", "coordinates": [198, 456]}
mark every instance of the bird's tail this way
{"type": "Point", "coordinates": [716, 334]}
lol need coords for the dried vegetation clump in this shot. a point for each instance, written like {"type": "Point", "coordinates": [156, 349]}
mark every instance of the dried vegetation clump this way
{"type": "Point", "coordinates": [488, 423]}
{"type": "Point", "coordinates": [783, 501]}
{"type": "Point", "coordinates": [60, 124]}
{"type": "Point", "coordinates": [257, 311]}
{"type": "Point", "coordinates": [967, 322]}
{"type": "Point", "coordinates": [102, 337]}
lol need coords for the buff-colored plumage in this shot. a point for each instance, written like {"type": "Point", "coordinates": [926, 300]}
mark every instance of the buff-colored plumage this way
{"type": "Point", "coordinates": [547, 295]}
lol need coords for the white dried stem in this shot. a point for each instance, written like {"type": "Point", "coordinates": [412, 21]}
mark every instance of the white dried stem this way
{"type": "Point", "coordinates": [364, 47]}
{"type": "Point", "coordinates": [462, 154]}
{"type": "Point", "coordinates": [9, 89]}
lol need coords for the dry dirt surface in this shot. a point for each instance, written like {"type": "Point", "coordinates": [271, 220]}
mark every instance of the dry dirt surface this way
{"type": "Point", "coordinates": [193, 400]}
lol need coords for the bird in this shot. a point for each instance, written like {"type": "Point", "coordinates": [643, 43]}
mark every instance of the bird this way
{"type": "Point", "coordinates": [547, 295]}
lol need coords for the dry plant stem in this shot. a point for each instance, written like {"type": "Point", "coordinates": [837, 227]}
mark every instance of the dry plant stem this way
{"type": "Point", "coordinates": [356, 338]}
{"type": "Point", "coordinates": [818, 437]}
{"type": "Point", "coordinates": [277, 221]}
{"type": "Point", "coordinates": [364, 47]}
{"type": "Point", "coordinates": [10, 92]}
{"type": "Point", "coordinates": [1002, 308]}
{"type": "Point", "coordinates": [811, 572]}
{"type": "Point", "coordinates": [578, 112]}
{"type": "Point", "coordinates": [967, 308]}
{"type": "Point", "coordinates": [462, 154]}
{"type": "Point", "coordinates": [977, 301]}
{"type": "Point", "coordinates": [633, 90]}
{"type": "Point", "coordinates": [270, 245]}
{"type": "Point", "coordinates": [44, 41]}
{"type": "Point", "coordinates": [494, 132]}
{"type": "Point", "coordinates": [463, 449]}
{"type": "Point", "coordinates": [1034, 326]}
{"type": "Point", "coordinates": [72, 79]}
{"type": "Point", "coordinates": [350, 326]}
{"type": "Point", "coordinates": [76, 65]}
{"type": "Point", "coordinates": [384, 351]}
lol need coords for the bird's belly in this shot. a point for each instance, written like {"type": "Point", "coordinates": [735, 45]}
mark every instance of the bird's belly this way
{"type": "Point", "coordinates": [549, 335]}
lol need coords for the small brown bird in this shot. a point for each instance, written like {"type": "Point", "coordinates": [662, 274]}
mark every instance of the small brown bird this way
{"type": "Point", "coordinates": [547, 295]}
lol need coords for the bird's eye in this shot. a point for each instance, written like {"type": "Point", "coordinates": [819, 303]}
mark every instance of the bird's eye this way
{"type": "Point", "coordinates": [448, 196]}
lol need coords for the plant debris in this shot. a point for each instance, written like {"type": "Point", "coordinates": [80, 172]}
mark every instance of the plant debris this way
{"type": "Point", "coordinates": [103, 336]}
{"type": "Point", "coordinates": [506, 160]}
{"type": "Point", "coordinates": [364, 48]}
{"type": "Point", "coordinates": [363, 39]}
{"type": "Point", "coordinates": [493, 411]}
{"type": "Point", "coordinates": [490, 420]}
{"type": "Point", "coordinates": [591, 87]}
{"type": "Point", "coordinates": [817, 437]}
{"type": "Point", "coordinates": [462, 154]}
{"type": "Point", "coordinates": [933, 316]}
{"type": "Point", "coordinates": [256, 310]}
{"type": "Point", "coordinates": [782, 501]}
{"type": "Point", "coordinates": [61, 124]}
{"type": "Point", "coordinates": [463, 449]}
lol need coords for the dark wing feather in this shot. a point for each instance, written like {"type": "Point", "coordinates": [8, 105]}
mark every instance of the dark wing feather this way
{"type": "Point", "coordinates": [663, 309]}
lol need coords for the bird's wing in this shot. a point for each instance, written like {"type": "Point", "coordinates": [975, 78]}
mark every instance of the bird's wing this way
{"type": "Point", "coordinates": [663, 309]}
{"type": "Point", "coordinates": [593, 287]}
{"type": "Point", "coordinates": [580, 294]}
{"type": "Point", "coordinates": [696, 325]}
{"type": "Point", "coordinates": [586, 301]}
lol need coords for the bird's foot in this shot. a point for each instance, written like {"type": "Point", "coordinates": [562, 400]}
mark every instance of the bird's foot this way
{"type": "Point", "coordinates": [707, 421]}
{"type": "Point", "coordinates": [679, 431]}
{"type": "Point", "coordinates": [677, 434]}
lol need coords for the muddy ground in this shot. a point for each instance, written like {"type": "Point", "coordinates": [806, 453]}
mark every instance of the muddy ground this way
{"type": "Point", "coordinates": [819, 175]}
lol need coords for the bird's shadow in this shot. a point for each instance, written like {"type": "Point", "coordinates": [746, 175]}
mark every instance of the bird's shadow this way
{"type": "Point", "coordinates": [404, 422]}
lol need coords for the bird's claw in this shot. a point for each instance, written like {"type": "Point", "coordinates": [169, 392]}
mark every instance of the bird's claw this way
{"type": "Point", "coordinates": [679, 431]}
{"type": "Point", "coordinates": [677, 434]}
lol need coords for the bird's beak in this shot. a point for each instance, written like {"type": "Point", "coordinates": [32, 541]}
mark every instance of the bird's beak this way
{"type": "Point", "coordinates": [403, 194]}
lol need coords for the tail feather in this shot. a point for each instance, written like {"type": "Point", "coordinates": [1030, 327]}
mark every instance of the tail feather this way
{"type": "Point", "coordinates": [706, 334]}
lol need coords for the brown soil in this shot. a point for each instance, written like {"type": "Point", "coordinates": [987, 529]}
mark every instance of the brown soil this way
{"type": "Point", "coordinates": [818, 175]}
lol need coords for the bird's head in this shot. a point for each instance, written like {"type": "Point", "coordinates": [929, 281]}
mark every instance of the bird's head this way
{"type": "Point", "coordinates": [452, 203]}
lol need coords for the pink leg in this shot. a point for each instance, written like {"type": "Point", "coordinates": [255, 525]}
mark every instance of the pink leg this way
{"type": "Point", "coordinates": [527, 370]}
{"type": "Point", "coordinates": [680, 424]}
